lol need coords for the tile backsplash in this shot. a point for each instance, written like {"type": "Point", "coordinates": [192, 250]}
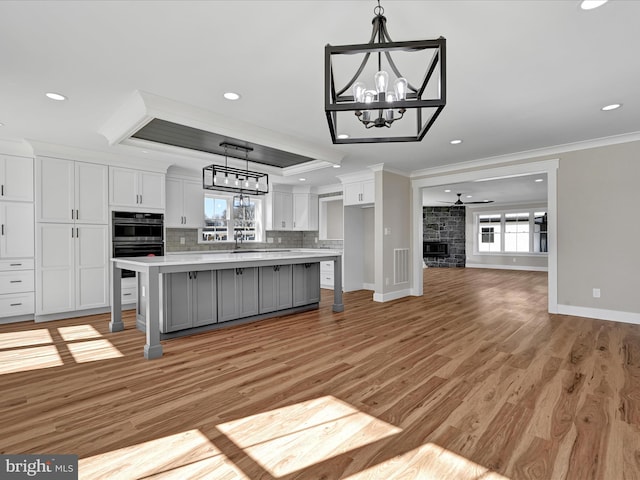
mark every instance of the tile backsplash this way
{"type": "Point", "coordinates": [281, 239]}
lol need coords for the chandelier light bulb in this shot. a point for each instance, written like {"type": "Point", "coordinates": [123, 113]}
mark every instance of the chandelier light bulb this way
{"type": "Point", "coordinates": [226, 180]}
{"type": "Point", "coordinates": [400, 86]}
{"type": "Point", "coordinates": [369, 96]}
{"type": "Point", "coordinates": [388, 113]}
{"type": "Point", "coordinates": [358, 91]}
{"type": "Point", "coordinates": [381, 80]}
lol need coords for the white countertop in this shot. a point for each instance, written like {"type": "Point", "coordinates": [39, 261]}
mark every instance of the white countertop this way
{"type": "Point", "coordinates": [212, 257]}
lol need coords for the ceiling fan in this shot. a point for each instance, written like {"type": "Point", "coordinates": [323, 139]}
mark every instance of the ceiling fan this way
{"type": "Point", "coordinates": [459, 202]}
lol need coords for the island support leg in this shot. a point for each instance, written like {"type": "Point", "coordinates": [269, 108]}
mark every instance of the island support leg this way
{"type": "Point", "coordinates": [338, 306]}
{"type": "Point", "coordinates": [116, 325]}
{"type": "Point", "coordinates": [152, 348]}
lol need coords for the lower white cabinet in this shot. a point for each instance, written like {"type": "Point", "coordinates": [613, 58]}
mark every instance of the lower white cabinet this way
{"type": "Point", "coordinates": [326, 275]}
{"type": "Point", "coordinates": [72, 267]}
{"type": "Point", "coordinates": [189, 300]}
{"type": "Point", "coordinates": [306, 284]}
{"type": "Point", "coordinates": [275, 288]}
{"type": "Point", "coordinates": [16, 287]}
{"type": "Point", "coordinates": [237, 293]}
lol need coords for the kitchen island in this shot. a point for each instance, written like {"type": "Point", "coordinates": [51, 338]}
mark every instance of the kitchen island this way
{"type": "Point", "coordinates": [228, 267]}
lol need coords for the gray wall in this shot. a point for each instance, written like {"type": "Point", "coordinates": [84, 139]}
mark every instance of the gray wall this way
{"type": "Point", "coordinates": [599, 227]}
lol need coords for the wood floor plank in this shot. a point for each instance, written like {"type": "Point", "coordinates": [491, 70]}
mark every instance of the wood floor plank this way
{"type": "Point", "coordinates": [472, 380]}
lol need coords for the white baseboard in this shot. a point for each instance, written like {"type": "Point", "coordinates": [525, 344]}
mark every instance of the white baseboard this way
{"type": "Point", "coordinates": [507, 267]}
{"type": "Point", "coordinates": [600, 314]}
{"type": "Point", "coordinates": [386, 297]}
{"type": "Point", "coordinates": [369, 286]}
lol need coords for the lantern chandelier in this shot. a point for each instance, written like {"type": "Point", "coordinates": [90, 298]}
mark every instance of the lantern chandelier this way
{"type": "Point", "coordinates": [389, 99]}
{"type": "Point", "coordinates": [235, 180]}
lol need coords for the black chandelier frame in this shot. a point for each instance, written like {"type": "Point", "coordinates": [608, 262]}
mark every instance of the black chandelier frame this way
{"type": "Point", "coordinates": [237, 177]}
{"type": "Point", "coordinates": [337, 102]}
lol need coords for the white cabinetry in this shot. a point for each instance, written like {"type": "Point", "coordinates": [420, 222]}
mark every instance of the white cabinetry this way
{"type": "Point", "coordinates": [72, 271]}
{"type": "Point", "coordinates": [292, 211]}
{"type": "Point", "coordinates": [72, 242]}
{"type": "Point", "coordinates": [185, 204]}
{"type": "Point", "coordinates": [136, 189]}
{"type": "Point", "coordinates": [16, 239]}
{"type": "Point", "coordinates": [16, 287]}
{"type": "Point", "coordinates": [69, 191]}
{"type": "Point", "coordinates": [305, 211]}
{"type": "Point", "coordinates": [359, 192]}
{"type": "Point", "coordinates": [16, 178]}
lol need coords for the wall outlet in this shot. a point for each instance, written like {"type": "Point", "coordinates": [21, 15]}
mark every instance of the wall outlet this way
{"type": "Point", "coordinates": [387, 231]}
{"type": "Point", "coordinates": [269, 239]}
{"type": "Point", "coordinates": [514, 259]}
{"type": "Point", "coordinates": [182, 241]}
{"type": "Point", "coordinates": [596, 293]}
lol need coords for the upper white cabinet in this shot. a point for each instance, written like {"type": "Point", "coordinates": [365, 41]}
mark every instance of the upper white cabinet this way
{"type": "Point", "coordinates": [292, 211]}
{"type": "Point", "coordinates": [70, 191]}
{"type": "Point", "coordinates": [279, 210]}
{"type": "Point", "coordinates": [357, 193]}
{"type": "Point", "coordinates": [185, 204]}
{"type": "Point", "coordinates": [135, 188]}
{"type": "Point", "coordinates": [16, 178]}
{"type": "Point", "coordinates": [17, 234]}
{"type": "Point", "coordinates": [305, 211]}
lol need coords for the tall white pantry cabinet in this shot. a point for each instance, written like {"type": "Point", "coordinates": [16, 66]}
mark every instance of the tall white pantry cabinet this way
{"type": "Point", "coordinates": [72, 228]}
{"type": "Point", "coordinates": [16, 238]}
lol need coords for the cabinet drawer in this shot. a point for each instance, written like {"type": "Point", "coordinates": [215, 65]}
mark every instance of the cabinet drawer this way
{"type": "Point", "coordinates": [16, 304]}
{"type": "Point", "coordinates": [326, 280]}
{"type": "Point", "coordinates": [326, 267]}
{"type": "Point", "coordinates": [129, 295]}
{"type": "Point", "coordinates": [26, 264]}
{"type": "Point", "coordinates": [16, 282]}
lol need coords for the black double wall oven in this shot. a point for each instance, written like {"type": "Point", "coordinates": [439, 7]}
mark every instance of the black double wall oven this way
{"type": "Point", "coordinates": [136, 234]}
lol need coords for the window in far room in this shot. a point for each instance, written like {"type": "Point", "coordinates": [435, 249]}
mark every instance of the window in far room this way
{"type": "Point", "coordinates": [511, 232]}
{"type": "Point", "coordinates": [227, 218]}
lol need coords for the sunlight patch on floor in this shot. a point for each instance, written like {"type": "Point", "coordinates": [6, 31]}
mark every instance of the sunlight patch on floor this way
{"type": "Point", "coordinates": [184, 455]}
{"type": "Point", "coordinates": [25, 339]}
{"type": "Point", "coordinates": [25, 359]}
{"type": "Point", "coordinates": [427, 462]}
{"type": "Point", "coordinates": [78, 332]}
{"type": "Point", "coordinates": [93, 350]}
{"type": "Point", "coordinates": [291, 438]}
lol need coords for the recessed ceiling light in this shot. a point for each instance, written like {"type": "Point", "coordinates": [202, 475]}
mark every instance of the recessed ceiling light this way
{"type": "Point", "coordinates": [538, 180]}
{"type": "Point", "coordinates": [337, 166]}
{"type": "Point", "coordinates": [342, 136]}
{"type": "Point", "coordinates": [302, 179]}
{"type": "Point", "coordinates": [455, 142]}
{"type": "Point", "coordinates": [447, 191]}
{"type": "Point", "coordinates": [469, 196]}
{"type": "Point", "coordinates": [591, 4]}
{"type": "Point", "coordinates": [55, 96]}
{"type": "Point", "coordinates": [145, 151]}
{"type": "Point", "coordinates": [613, 106]}
{"type": "Point", "coordinates": [231, 95]}
{"type": "Point", "coordinates": [1, 124]}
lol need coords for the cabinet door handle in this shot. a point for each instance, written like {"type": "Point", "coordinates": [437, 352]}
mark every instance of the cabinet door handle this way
{"type": "Point", "coordinates": [77, 214]}
{"type": "Point", "coordinates": [239, 271]}
{"type": "Point", "coordinates": [189, 273]}
{"type": "Point", "coordinates": [140, 199]}
{"type": "Point", "coordinates": [126, 294]}
{"type": "Point", "coordinates": [72, 233]}
{"type": "Point", "coordinates": [15, 264]}
{"type": "Point", "coordinates": [15, 281]}
{"type": "Point", "coordinates": [2, 190]}
{"type": "Point", "coordinates": [16, 304]}
{"type": "Point", "coordinates": [72, 217]}
{"type": "Point", "coordinates": [77, 233]}
{"type": "Point", "coordinates": [195, 275]}
{"type": "Point", "coordinates": [3, 229]}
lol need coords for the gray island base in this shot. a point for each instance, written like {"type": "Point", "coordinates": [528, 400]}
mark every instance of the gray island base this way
{"type": "Point", "coordinates": [237, 286]}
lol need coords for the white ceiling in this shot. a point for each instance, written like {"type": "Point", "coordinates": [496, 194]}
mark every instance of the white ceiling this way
{"type": "Point", "coordinates": [522, 75]}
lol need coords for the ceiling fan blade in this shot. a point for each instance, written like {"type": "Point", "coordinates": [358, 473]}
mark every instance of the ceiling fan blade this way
{"type": "Point", "coordinates": [477, 203]}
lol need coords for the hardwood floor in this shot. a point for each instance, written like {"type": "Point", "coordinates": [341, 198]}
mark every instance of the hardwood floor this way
{"type": "Point", "coordinates": [472, 381]}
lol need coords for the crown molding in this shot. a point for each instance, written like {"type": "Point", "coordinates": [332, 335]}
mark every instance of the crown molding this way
{"type": "Point", "coordinates": [528, 154]}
